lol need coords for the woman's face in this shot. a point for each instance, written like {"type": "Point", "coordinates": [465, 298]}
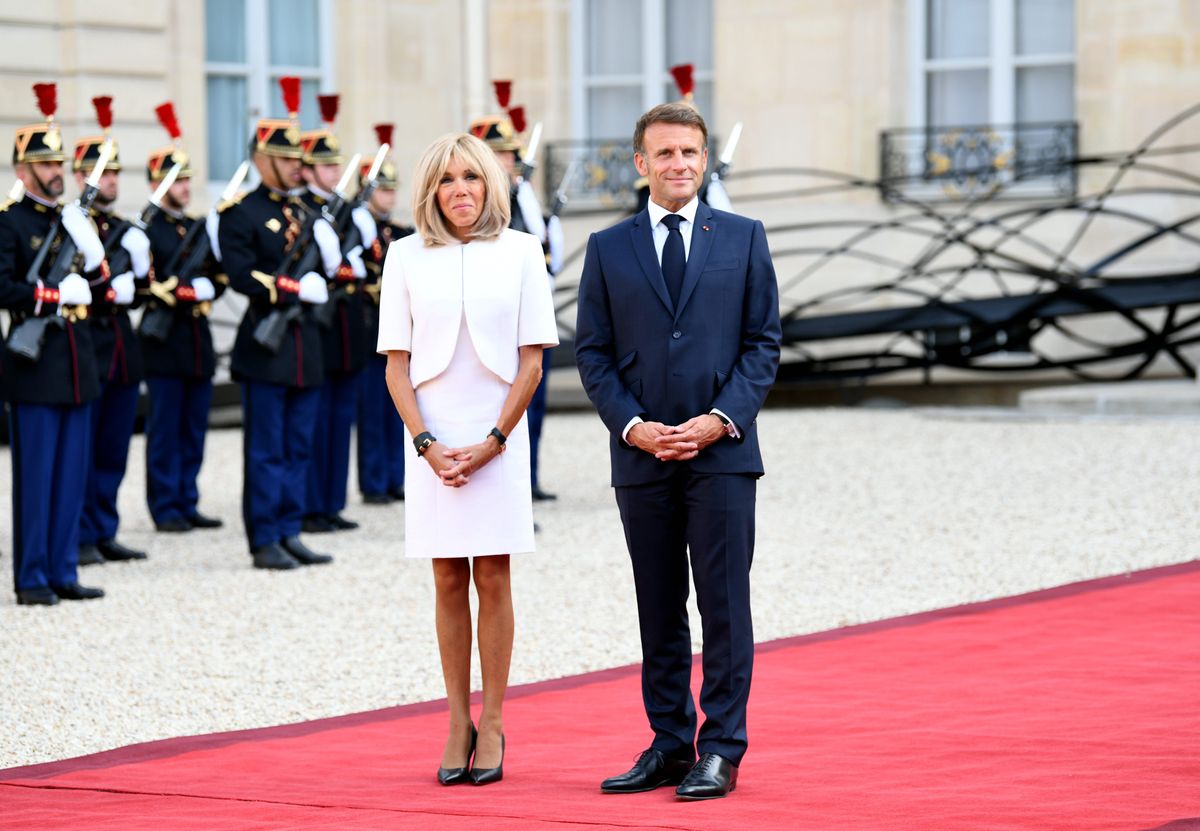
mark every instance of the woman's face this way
{"type": "Point", "coordinates": [460, 197]}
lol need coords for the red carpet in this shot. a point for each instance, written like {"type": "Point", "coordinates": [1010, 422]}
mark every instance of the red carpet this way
{"type": "Point", "coordinates": [1074, 708]}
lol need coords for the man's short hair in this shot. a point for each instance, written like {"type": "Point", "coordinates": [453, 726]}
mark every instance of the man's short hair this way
{"type": "Point", "coordinates": [673, 113]}
{"type": "Point", "coordinates": [473, 154]}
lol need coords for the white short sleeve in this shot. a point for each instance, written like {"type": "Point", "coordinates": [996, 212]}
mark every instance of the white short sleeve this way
{"type": "Point", "coordinates": [395, 315]}
{"type": "Point", "coordinates": [535, 321]}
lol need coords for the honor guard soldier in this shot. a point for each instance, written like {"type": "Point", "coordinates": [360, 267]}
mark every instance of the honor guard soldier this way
{"type": "Point", "coordinates": [118, 353]}
{"type": "Point", "coordinates": [177, 341]}
{"type": "Point", "coordinates": [502, 134]}
{"type": "Point", "coordinates": [48, 255]}
{"type": "Point", "coordinates": [277, 351]}
{"type": "Point", "coordinates": [380, 429]}
{"type": "Point", "coordinates": [343, 325]}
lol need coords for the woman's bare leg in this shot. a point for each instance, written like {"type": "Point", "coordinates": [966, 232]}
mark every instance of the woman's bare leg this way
{"type": "Point", "coordinates": [452, 581]}
{"type": "Point", "coordinates": [495, 652]}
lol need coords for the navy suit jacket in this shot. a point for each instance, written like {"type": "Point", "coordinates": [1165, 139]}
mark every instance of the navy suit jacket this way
{"type": "Point", "coordinates": [639, 355]}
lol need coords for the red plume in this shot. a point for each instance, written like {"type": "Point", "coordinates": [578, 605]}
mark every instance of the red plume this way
{"type": "Point", "coordinates": [683, 78]}
{"type": "Point", "coordinates": [503, 92]}
{"type": "Point", "coordinates": [384, 133]}
{"type": "Point", "coordinates": [517, 116]}
{"type": "Point", "coordinates": [290, 85]}
{"type": "Point", "coordinates": [166, 117]}
{"type": "Point", "coordinates": [103, 105]}
{"type": "Point", "coordinates": [329, 108]}
{"type": "Point", "coordinates": [47, 98]}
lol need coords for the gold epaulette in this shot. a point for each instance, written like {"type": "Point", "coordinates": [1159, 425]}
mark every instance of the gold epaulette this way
{"type": "Point", "coordinates": [6, 204]}
{"type": "Point", "coordinates": [222, 278]}
{"type": "Point", "coordinates": [229, 203]}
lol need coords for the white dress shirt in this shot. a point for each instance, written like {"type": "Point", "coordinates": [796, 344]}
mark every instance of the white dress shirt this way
{"type": "Point", "coordinates": [660, 232]}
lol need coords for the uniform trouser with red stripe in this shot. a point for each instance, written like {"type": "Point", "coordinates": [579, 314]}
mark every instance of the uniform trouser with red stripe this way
{"type": "Point", "coordinates": [113, 415]}
{"type": "Point", "coordinates": [331, 444]}
{"type": "Point", "coordinates": [380, 433]}
{"type": "Point", "coordinates": [277, 432]}
{"type": "Point", "coordinates": [50, 450]}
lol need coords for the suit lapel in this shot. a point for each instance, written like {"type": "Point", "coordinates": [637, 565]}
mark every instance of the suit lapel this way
{"type": "Point", "coordinates": [703, 231]}
{"type": "Point", "coordinates": [643, 247]}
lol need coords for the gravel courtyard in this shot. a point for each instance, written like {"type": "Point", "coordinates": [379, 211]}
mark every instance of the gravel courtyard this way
{"type": "Point", "coordinates": [863, 515]}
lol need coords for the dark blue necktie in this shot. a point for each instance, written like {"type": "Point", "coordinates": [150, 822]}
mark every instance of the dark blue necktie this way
{"type": "Point", "coordinates": [673, 260]}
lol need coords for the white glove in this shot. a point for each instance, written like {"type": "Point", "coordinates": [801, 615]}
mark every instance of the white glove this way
{"type": "Point", "coordinates": [212, 224]}
{"type": "Point", "coordinates": [313, 288]}
{"type": "Point", "coordinates": [365, 223]}
{"type": "Point", "coordinates": [203, 288]}
{"type": "Point", "coordinates": [83, 234]}
{"type": "Point", "coordinates": [135, 241]}
{"type": "Point", "coordinates": [354, 257]}
{"type": "Point", "coordinates": [558, 244]}
{"type": "Point", "coordinates": [331, 247]}
{"type": "Point", "coordinates": [74, 291]}
{"type": "Point", "coordinates": [122, 286]}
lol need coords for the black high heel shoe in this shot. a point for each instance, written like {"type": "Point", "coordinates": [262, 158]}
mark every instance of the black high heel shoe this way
{"type": "Point", "coordinates": [488, 775]}
{"type": "Point", "coordinates": [459, 776]}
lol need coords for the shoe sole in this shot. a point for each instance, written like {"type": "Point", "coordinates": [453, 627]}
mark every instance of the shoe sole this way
{"type": "Point", "coordinates": [683, 798]}
{"type": "Point", "coordinates": [641, 790]}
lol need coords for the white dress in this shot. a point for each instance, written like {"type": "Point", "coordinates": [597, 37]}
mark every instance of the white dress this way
{"type": "Point", "coordinates": [462, 311]}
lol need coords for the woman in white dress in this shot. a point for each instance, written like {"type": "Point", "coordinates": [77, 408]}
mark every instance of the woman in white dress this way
{"type": "Point", "coordinates": [464, 316]}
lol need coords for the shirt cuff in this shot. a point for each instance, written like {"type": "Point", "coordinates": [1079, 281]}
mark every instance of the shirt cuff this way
{"type": "Point", "coordinates": [628, 427]}
{"type": "Point", "coordinates": [730, 427]}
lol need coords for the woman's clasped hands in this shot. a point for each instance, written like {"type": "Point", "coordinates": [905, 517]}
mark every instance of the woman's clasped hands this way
{"type": "Point", "coordinates": [455, 465]}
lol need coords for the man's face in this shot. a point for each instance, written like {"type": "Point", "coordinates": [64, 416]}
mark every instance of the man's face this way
{"type": "Point", "coordinates": [106, 191]}
{"type": "Point", "coordinates": [674, 158]}
{"type": "Point", "coordinates": [45, 179]}
{"type": "Point", "coordinates": [323, 176]}
{"type": "Point", "coordinates": [508, 161]}
{"type": "Point", "coordinates": [278, 172]}
{"type": "Point", "coordinates": [383, 202]}
{"type": "Point", "coordinates": [178, 195]}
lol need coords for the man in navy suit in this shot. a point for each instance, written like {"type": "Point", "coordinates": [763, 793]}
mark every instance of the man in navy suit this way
{"type": "Point", "coordinates": [677, 342]}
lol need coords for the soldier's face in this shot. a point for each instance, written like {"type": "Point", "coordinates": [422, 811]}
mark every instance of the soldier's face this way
{"type": "Point", "coordinates": [106, 191]}
{"type": "Point", "coordinates": [460, 196]}
{"type": "Point", "coordinates": [179, 194]}
{"type": "Point", "coordinates": [324, 176]}
{"type": "Point", "coordinates": [278, 172]}
{"type": "Point", "coordinates": [383, 201]}
{"type": "Point", "coordinates": [508, 161]}
{"type": "Point", "coordinates": [43, 178]}
{"type": "Point", "coordinates": [673, 161]}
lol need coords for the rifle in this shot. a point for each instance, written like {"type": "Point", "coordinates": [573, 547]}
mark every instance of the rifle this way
{"type": "Point", "coordinates": [270, 330]}
{"type": "Point", "coordinates": [529, 160]}
{"type": "Point", "coordinates": [156, 321]}
{"type": "Point", "coordinates": [715, 194]}
{"type": "Point", "coordinates": [119, 260]}
{"type": "Point", "coordinates": [29, 335]}
{"type": "Point", "coordinates": [560, 195]}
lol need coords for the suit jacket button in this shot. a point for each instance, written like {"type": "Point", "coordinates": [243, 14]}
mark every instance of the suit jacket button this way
{"type": "Point", "coordinates": [677, 334]}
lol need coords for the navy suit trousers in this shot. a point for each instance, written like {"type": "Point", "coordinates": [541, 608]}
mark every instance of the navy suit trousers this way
{"type": "Point", "coordinates": [709, 519]}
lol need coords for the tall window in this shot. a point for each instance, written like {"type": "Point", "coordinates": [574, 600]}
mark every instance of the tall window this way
{"type": "Point", "coordinates": [249, 46]}
{"type": "Point", "coordinates": [621, 53]}
{"type": "Point", "coordinates": [991, 62]}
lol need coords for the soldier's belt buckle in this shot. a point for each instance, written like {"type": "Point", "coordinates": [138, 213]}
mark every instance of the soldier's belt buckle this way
{"type": "Point", "coordinates": [350, 288]}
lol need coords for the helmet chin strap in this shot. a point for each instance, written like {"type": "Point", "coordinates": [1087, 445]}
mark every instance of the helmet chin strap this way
{"type": "Point", "coordinates": [45, 191]}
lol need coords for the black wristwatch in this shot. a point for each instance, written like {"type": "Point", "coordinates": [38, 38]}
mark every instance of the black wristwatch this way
{"type": "Point", "coordinates": [423, 442]}
{"type": "Point", "coordinates": [500, 437]}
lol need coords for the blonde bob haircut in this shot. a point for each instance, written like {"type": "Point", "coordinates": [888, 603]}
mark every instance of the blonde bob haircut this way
{"type": "Point", "coordinates": [474, 155]}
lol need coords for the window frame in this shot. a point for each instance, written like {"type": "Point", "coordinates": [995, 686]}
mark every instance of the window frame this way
{"type": "Point", "coordinates": [653, 79]}
{"type": "Point", "coordinates": [1002, 63]}
{"type": "Point", "coordinates": [258, 71]}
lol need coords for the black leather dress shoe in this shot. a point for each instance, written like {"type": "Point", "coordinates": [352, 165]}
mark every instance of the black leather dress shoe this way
{"type": "Point", "coordinates": [273, 557]}
{"type": "Point", "coordinates": [377, 499]}
{"type": "Point", "coordinates": [397, 494]}
{"type": "Point", "coordinates": [712, 777]}
{"type": "Point", "coordinates": [487, 776]}
{"type": "Point", "coordinates": [540, 495]}
{"type": "Point", "coordinates": [37, 597]}
{"type": "Point", "coordinates": [302, 554]}
{"type": "Point", "coordinates": [89, 555]}
{"type": "Point", "coordinates": [340, 523]}
{"type": "Point", "coordinates": [459, 776]}
{"type": "Point", "coordinates": [199, 520]}
{"type": "Point", "coordinates": [115, 552]}
{"type": "Point", "coordinates": [316, 524]}
{"type": "Point", "coordinates": [173, 526]}
{"type": "Point", "coordinates": [77, 592]}
{"type": "Point", "coordinates": [651, 770]}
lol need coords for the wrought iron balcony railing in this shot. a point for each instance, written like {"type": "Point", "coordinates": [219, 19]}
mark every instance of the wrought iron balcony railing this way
{"type": "Point", "coordinates": [1019, 161]}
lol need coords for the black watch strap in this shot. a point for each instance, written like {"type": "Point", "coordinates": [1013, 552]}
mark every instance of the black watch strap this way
{"type": "Point", "coordinates": [500, 437]}
{"type": "Point", "coordinates": [423, 441]}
